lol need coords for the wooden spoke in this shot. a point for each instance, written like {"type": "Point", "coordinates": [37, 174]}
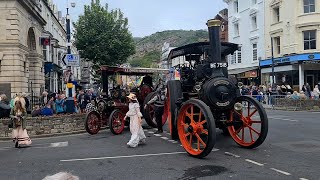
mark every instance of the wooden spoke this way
{"type": "Point", "coordinates": [200, 116]}
{"type": "Point", "coordinates": [186, 135]}
{"type": "Point", "coordinates": [251, 135]}
{"type": "Point", "coordinates": [255, 121]}
{"type": "Point", "coordinates": [190, 141]}
{"type": "Point", "coordinates": [185, 125]}
{"type": "Point", "coordinates": [244, 119]}
{"type": "Point", "coordinates": [202, 122]}
{"type": "Point", "coordinates": [254, 130]}
{"type": "Point", "coordinates": [205, 132]}
{"type": "Point", "coordinates": [199, 138]}
{"type": "Point", "coordinates": [239, 130]}
{"type": "Point", "coordinates": [189, 116]}
{"type": "Point", "coordinates": [250, 115]}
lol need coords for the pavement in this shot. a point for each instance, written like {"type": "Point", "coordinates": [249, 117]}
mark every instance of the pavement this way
{"type": "Point", "coordinates": [291, 151]}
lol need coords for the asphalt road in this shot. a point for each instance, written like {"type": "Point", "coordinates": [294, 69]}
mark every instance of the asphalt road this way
{"type": "Point", "coordinates": [291, 151]}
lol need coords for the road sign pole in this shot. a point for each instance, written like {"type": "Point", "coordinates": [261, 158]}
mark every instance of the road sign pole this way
{"type": "Point", "coordinates": [70, 101]}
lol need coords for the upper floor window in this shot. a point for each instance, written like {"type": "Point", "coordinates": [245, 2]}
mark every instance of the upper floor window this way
{"type": "Point", "coordinates": [233, 58]}
{"type": "Point", "coordinates": [254, 1]}
{"type": "Point", "coordinates": [276, 14]}
{"type": "Point", "coordinates": [254, 22]}
{"type": "Point", "coordinates": [236, 6]}
{"type": "Point", "coordinates": [277, 44]}
{"type": "Point", "coordinates": [254, 52]}
{"type": "Point", "coordinates": [309, 6]}
{"type": "Point", "coordinates": [236, 29]}
{"type": "Point", "coordinates": [309, 39]}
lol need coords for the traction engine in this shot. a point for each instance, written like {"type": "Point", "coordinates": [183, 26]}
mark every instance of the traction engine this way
{"type": "Point", "coordinates": [205, 98]}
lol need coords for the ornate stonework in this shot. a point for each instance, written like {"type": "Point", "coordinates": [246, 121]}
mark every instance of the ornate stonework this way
{"type": "Point", "coordinates": [21, 57]}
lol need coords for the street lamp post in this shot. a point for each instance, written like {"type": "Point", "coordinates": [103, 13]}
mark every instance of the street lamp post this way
{"type": "Point", "coordinates": [272, 59]}
{"type": "Point", "coordinates": [70, 101]}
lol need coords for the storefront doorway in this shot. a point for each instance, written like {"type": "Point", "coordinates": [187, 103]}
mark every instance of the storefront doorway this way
{"type": "Point", "coordinates": [310, 80]}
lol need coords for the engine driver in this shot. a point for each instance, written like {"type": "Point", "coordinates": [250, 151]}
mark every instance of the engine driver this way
{"type": "Point", "coordinates": [158, 102]}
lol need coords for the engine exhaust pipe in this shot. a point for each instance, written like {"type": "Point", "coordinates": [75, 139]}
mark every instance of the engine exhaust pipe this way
{"type": "Point", "coordinates": [215, 42]}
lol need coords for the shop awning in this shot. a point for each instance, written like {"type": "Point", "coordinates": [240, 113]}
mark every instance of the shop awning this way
{"type": "Point", "coordinates": [241, 70]}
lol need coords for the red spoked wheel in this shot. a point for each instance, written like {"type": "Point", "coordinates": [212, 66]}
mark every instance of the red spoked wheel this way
{"type": "Point", "coordinates": [196, 128]}
{"type": "Point", "coordinates": [249, 123]}
{"type": "Point", "coordinates": [116, 122]}
{"type": "Point", "coordinates": [93, 123]}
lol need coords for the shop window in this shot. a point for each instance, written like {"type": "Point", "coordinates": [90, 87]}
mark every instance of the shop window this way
{"type": "Point", "coordinates": [254, 22]}
{"type": "Point", "coordinates": [236, 6]}
{"type": "Point", "coordinates": [276, 14]}
{"type": "Point", "coordinates": [309, 40]}
{"type": "Point", "coordinates": [239, 55]}
{"type": "Point", "coordinates": [254, 52]}
{"type": "Point", "coordinates": [309, 6]}
{"type": "Point", "coordinates": [277, 44]}
{"type": "Point", "coordinates": [236, 29]}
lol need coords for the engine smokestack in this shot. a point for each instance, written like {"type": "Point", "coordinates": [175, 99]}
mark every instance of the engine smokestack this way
{"type": "Point", "coordinates": [215, 42]}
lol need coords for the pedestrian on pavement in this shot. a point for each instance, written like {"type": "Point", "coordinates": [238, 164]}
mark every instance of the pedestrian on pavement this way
{"type": "Point", "coordinates": [4, 107]}
{"type": "Point", "coordinates": [60, 104]}
{"type": "Point", "coordinates": [316, 92]}
{"type": "Point", "coordinates": [44, 99]}
{"type": "Point", "coordinates": [158, 102]}
{"type": "Point", "coordinates": [137, 134]}
{"type": "Point", "coordinates": [19, 133]}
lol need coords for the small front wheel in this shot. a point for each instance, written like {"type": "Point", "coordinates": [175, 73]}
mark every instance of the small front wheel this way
{"type": "Point", "coordinates": [249, 125]}
{"type": "Point", "coordinates": [116, 122]}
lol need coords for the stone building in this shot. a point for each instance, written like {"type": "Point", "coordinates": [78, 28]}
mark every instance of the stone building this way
{"type": "Point", "coordinates": [21, 58]}
{"type": "Point", "coordinates": [294, 27]}
{"type": "Point", "coordinates": [32, 43]}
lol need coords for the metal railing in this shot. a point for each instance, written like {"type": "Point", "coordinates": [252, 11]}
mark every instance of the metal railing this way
{"type": "Point", "coordinates": [287, 102]}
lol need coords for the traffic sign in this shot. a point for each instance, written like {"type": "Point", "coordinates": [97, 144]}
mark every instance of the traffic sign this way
{"type": "Point", "coordinates": [72, 60]}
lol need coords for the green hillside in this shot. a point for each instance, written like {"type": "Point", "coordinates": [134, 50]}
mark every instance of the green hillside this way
{"type": "Point", "coordinates": [148, 49]}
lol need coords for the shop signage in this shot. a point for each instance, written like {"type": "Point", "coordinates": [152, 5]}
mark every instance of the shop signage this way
{"type": "Point", "coordinates": [298, 58]}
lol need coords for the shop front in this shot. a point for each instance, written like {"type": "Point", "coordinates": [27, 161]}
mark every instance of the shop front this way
{"type": "Point", "coordinates": [248, 76]}
{"type": "Point", "coordinates": [295, 70]}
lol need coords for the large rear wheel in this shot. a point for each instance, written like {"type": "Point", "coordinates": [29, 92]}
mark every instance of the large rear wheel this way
{"type": "Point", "coordinates": [116, 122]}
{"type": "Point", "coordinates": [248, 125]}
{"type": "Point", "coordinates": [196, 128]}
{"type": "Point", "coordinates": [174, 92]}
{"type": "Point", "coordinates": [149, 113]}
{"type": "Point", "coordinates": [93, 123]}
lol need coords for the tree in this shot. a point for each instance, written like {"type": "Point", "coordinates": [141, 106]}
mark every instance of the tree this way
{"type": "Point", "coordinates": [102, 36]}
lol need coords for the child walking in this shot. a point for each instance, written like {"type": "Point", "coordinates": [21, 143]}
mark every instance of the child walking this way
{"type": "Point", "coordinates": [137, 134]}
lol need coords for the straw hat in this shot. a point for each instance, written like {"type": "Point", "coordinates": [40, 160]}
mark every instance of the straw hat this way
{"type": "Point", "coordinates": [132, 96]}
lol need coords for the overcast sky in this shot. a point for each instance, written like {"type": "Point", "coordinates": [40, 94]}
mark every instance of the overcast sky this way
{"type": "Point", "coordinates": [150, 16]}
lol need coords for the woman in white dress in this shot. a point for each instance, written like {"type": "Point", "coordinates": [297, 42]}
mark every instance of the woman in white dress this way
{"type": "Point", "coordinates": [137, 134]}
{"type": "Point", "coordinates": [19, 133]}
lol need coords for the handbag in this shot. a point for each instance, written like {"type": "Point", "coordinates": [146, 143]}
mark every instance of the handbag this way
{"type": "Point", "coordinates": [10, 123]}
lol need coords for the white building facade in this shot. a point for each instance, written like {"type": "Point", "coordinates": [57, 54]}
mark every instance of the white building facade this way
{"type": "Point", "coordinates": [246, 28]}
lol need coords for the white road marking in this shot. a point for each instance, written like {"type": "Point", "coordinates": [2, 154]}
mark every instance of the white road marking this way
{"type": "Point", "coordinates": [303, 179]}
{"type": "Point", "coordinates": [215, 149]}
{"type": "Point", "coordinates": [283, 119]}
{"type": "Point", "coordinates": [150, 132]}
{"type": "Point", "coordinates": [145, 130]}
{"type": "Point", "coordinates": [165, 138]}
{"type": "Point", "coordinates": [181, 145]}
{"type": "Point", "coordinates": [174, 142]}
{"type": "Point", "coordinates": [315, 112]}
{"type": "Point", "coordinates": [168, 133]}
{"type": "Point", "coordinates": [254, 162]}
{"type": "Point", "coordinates": [280, 171]}
{"type": "Point", "coordinates": [158, 135]}
{"type": "Point", "coordinates": [119, 157]}
{"type": "Point", "coordinates": [59, 144]}
{"type": "Point", "coordinates": [231, 154]}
